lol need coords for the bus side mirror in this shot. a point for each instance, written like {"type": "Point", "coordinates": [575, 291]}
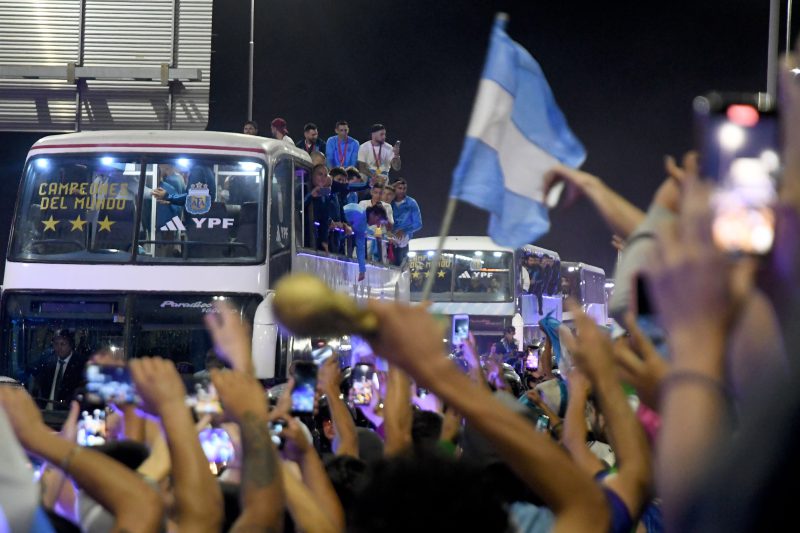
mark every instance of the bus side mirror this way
{"type": "Point", "coordinates": [265, 339]}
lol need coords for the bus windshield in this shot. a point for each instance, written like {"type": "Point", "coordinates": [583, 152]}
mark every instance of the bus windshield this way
{"type": "Point", "coordinates": [131, 207]}
{"type": "Point", "coordinates": [464, 276]}
{"type": "Point", "coordinates": [169, 325]}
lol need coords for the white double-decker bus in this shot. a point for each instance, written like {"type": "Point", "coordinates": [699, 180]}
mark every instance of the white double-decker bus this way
{"type": "Point", "coordinates": [587, 285]}
{"type": "Point", "coordinates": [97, 249]}
{"type": "Point", "coordinates": [486, 282]}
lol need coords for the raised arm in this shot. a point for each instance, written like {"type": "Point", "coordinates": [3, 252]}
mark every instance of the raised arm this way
{"type": "Point", "coordinates": [692, 289]}
{"type": "Point", "coordinates": [314, 475]}
{"type": "Point", "coordinates": [262, 495]}
{"type": "Point", "coordinates": [593, 353]}
{"type": "Point", "coordinates": [232, 337]}
{"type": "Point", "coordinates": [574, 435]}
{"type": "Point", "coordinates": [571, 494]}
{"type": "Point", "coordinates": [639, 363]}
{"type": "Point", "coordinates": [396, 162]}
{"type": "Point", "coordinates": [329, 379]}
{"type": "Point", "coordinates": [618, 213]}
{"type": "Point", "coordinates": [307, 515]}
{"type": "Point", "coordinates": [135, 506]}
{"type": "Point", "coordinates": [397, 413]}
{"type": "Point", "coordinates": [474, 362]}
{"type": "Point", "coordinates": [198, 498]}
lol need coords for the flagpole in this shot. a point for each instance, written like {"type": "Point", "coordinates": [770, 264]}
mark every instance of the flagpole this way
{"type": "Point", "coordinates": [449, 213]}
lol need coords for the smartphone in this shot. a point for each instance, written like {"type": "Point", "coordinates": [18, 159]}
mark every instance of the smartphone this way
{"type": "Point", "coordinates": [305, 387]}
{"type": "Point", "coordinates": [543, 423]}
{"type": "Point", "coordinates": [738, 139]}
{"type": "Point", "coordinates": [276, 427]}
{"type": "Point", "coordinates": [109, 384]}
{"type": "Point", "coordinates": [617, 331]}
{"type": "Point", "coordinates": [460, 329]}
{"type": "Point", "coordinates": [202, 397]}
{"type": "Point", "coordinates": [324, 191]}
{"type": "Point", "coordinates": [532, 361]}
{"type": "Point", "coordinates": [320, 355]}
{"type": "Point", "coordinates": [217, 446]}
{"type": "Point", "coordinates": [364, 384]}
{"type": "Point", "coordinates": [646, 317]}
{"type": "Point", "coordinates": [92, 426]}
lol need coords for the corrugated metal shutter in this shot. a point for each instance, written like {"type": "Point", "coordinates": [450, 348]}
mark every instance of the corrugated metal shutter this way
{"type": "Point", "coordinates": [117, 33]}
{"type": "Point", "coordinates": [190, 104]}
{"type": "Point", "coordinates": [38, 34]}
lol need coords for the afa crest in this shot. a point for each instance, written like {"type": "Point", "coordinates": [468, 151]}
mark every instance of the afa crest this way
{"type": "Point", "coordinates": [198, 199]}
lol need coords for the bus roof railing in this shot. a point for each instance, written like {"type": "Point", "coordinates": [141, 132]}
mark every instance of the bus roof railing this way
{"type": "Point", "coordinates": [171, 141]}
{"type": "Point", "coordinates": [582, 266]}
{"type": "Point", "coordinates": [471, 242]}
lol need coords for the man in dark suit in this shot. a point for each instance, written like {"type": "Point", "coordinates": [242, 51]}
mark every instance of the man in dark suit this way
{"type": "Point", "coordinates": [57, 377]}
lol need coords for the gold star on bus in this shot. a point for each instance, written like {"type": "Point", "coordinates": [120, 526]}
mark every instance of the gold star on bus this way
{"type": "Point", "coordinates": [50, 223]}
{"type": "Point", "coordinates": [415, 275]}
{"type": "Point", "coordinates": [105, 225]}
{"type": "Point", "coordinates": [77, 224]}
{"type": "Point", "coordinates": [440, 274]}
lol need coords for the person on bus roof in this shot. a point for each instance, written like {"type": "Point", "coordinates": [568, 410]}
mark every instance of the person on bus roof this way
{"type": "Point", "coordinates": [200, 176]}
{"type": "Point", "coordinates": [280, 131]}
{"type": "Point", "coordinates": [358, 218]}
{"type": "Point", "coordinates": [341, 149]}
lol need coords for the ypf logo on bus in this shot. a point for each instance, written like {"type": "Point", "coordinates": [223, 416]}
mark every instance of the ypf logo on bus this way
{"type": "Point", "coordinates": [213, 222]}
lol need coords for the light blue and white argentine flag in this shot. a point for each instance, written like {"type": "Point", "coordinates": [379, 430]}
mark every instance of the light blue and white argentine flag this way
{"type": "Point", "coordinates": [516, 135]}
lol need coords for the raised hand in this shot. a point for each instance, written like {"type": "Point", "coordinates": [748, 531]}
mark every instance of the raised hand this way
{"type": "Point", "coordinates": [591, 351]}
{"type": "Point", "coordinates": [692, 284]}
{"type": "Point", "coordinates": [158, 384]}
{"type": "Point", "coordinates": [639, 363]}
{"type": "Point", "coordinates": [451, 426]}
{"type": "Point", "coordinates": [329, 377]}
{"type": "Point", "coordinates": [297, 444]}
{"type": "Point", "coordinates": [409, 352]}
{"type": "Point", "coordinates": [232, 337]}
{"type": "Point", "coordinates": [284, 406]}
{"type": "Point", "coordinates": [241, 395]}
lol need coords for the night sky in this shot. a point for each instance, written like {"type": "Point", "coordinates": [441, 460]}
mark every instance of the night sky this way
{"type": "Point", "coordinates": [624, 73]}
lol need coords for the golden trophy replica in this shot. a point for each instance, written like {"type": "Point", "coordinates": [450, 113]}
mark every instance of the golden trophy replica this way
{"type": "Point", "coordinates": [308, 308]}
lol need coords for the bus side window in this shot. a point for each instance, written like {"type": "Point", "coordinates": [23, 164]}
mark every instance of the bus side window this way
{"type": "Point", "coordinates": [302, 186]}
{"type": "Point", "coordinates": [281, 207]}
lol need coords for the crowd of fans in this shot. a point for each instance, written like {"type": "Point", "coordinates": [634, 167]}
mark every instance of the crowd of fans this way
{"type": "Point", "coordinates": [355, 205]}
{"type": "Point", "coordinates": [592, 433]}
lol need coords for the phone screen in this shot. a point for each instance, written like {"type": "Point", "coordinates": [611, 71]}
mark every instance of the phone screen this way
{"type": "Point", "coordinates": [543, 423]}
{"type": "Point", "coordinates": [365, 384]}
{"type": "Point", "coordinates": [217, 445]}
{"type": "Point", "coordinates": [109, 384]}
{"type": "Point", "coordinates": [92, 427]}
{"type": "Point", "coordinates": [276, 427]}
{"type": "Point", "coordinates": [305, 386]}
{"type": "Point", "coordinates": [532, 361]}
{"type": "Point", "coordinates": [320, 355]}
{"type": "Point", "coordinates": [739, 143]}
{"type": "Point", "coordinates": [460, 329]}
